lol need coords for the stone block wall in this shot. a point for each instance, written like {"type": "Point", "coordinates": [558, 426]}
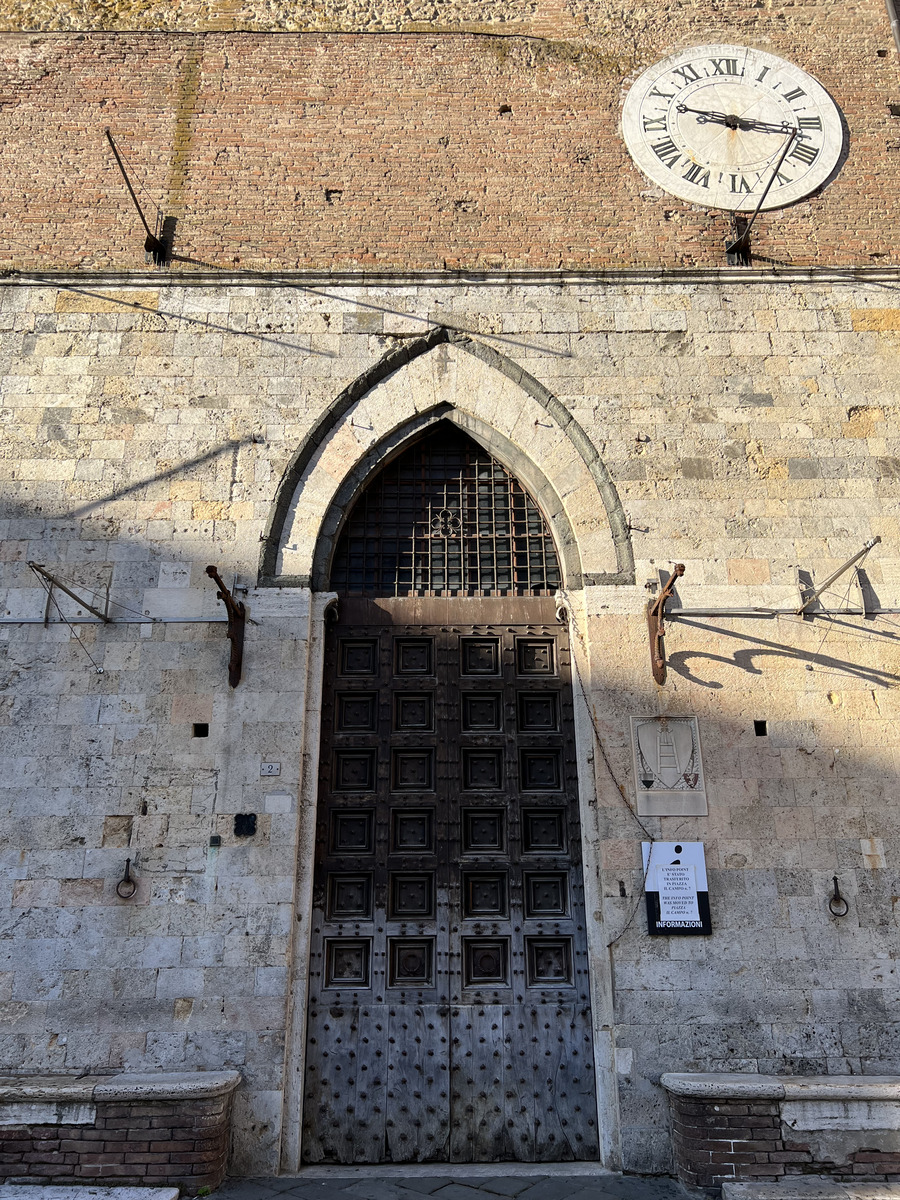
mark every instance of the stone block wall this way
{"type": "Point", "coordinates": [748, 426]}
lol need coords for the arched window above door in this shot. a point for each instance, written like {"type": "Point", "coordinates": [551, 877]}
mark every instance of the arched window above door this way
{"type": "Point", "coordinates": [445, 518]}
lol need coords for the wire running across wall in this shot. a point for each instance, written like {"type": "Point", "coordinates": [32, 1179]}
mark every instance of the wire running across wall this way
{"type": "Point", "coordinates": [445, 518]}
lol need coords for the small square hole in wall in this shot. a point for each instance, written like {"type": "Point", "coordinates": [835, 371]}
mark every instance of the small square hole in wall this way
{"type": "Point", "coordinates": [244, 824]}
{"type": "Point", "coordinates": [894, 110]}
{"type": "Point", "coordinates": [759, 728]}
{"type": "Point", "coordinates": [201, 729]}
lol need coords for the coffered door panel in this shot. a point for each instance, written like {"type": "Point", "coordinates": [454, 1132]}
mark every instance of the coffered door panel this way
{"type": "Point", "coordinates": [449, 1014]}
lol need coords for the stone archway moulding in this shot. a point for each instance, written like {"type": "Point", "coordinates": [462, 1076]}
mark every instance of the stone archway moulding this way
{"type": "Point", "coordinates": [444, 377]}
{"type": "Point", "coordinates": [497, 403]}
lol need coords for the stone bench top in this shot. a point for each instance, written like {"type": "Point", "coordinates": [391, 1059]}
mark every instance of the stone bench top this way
{"type": "Point", "coordinates": [99, 1089]}
{"type": "Point", "coordinates": [746, 1086]}
{"type": "Point", "coordinates": [808, 1187]}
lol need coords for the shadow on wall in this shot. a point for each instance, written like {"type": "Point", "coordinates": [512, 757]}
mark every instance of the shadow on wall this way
{"type": "Point", "coordinates": [748, 660]}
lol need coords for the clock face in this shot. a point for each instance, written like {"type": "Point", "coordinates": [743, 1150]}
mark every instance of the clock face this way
{"type": "Point", "coordinates": [710, 124]}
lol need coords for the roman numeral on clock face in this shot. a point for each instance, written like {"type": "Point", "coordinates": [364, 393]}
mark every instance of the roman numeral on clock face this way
{"type": "Point", "coordinates": [739, 184]}
{"type": "Point", "coordinates": [805, 154]}
{"type": "Point", "coordinates": [810, 122]}
{"type": "Point", "coordinates": [725, 66]}
{"type": "Point", "coordinates": [654, 124]}
{"type": "Point", "coordinates": [697, 174]}
{"type": "Point", "coordinates": [688, 73]}
{"type": "Point", "coordinates": [667, 151]}
{"type": "Point", "coordinates": [793, 95]}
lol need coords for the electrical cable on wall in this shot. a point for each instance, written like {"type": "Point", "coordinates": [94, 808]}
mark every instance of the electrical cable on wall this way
{"type": "Point", "coordinates": [598, 741]}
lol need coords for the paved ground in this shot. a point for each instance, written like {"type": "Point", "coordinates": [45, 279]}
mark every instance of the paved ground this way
{"type": "Point", "coordinates": [503, 1184]}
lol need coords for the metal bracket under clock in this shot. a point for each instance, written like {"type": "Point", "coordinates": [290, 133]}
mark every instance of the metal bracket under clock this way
{"type": "Point", "coordinates": [737, 247]}
{"type": "Point", "coordinates": [738, 253]}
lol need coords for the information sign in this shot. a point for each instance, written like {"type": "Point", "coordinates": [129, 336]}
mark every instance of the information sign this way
{"type": "Point", "coordinates": [676, 888]}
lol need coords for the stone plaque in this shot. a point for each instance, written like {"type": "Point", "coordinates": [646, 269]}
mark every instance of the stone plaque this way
{"type": "Point", "coordinates": [668, 769]}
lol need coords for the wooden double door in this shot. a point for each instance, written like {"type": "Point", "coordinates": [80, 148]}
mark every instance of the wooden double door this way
{"type": "Point", "coordinates": [449, 1011]}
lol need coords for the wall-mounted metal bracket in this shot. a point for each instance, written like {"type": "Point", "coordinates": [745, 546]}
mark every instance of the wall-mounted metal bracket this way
{"type": "Point", "coordinates": [656, 612]}
{"type": "Point", "coordinates": [54, 582]}
{"type": "Point", "coordinates": [332, 612]}
{"type": "Point", "coordinates": [158, 246]}
{"type": "Point", "coordinates": [737, 251]}
{"type": "Point", "coordinates": [851, 562]}
{"type": "Point", "coordinates": [837, 904]}
{"type": "Point", "coordinates": [237, 616]}
{"type": "Point", "coordinates": [127, 885]}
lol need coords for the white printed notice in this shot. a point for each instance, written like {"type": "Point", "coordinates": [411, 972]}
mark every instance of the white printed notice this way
{"type": "Point", "coordinates": [677, 896]}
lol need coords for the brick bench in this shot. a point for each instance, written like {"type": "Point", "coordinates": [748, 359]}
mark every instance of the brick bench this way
{"type": "Point", "coordinates": [148, 1130]}
{"type": "Point", "coordinates": [732, 1127]}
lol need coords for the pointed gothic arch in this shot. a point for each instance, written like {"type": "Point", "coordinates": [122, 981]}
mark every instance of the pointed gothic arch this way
{"type": "Point", "coordinates": [443, 517]}
{"type": "Point", "coordinates": [309, 504]}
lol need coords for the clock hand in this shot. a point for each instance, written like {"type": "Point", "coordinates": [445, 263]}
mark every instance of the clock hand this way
{"type": "Point", "coordinates": [763, 126]}
{"type": "Point", "coordinates": [732, 122]}
{"type": "Point", "coordinates": [704, 116]}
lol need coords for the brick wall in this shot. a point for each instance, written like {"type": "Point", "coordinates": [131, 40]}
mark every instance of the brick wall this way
{"type": "Point", "coordinates": [722, 1140]}
{"type": "Point", "coordinates": [384, 151]}
{"type": "Point", "coordinates": [180, 1143]}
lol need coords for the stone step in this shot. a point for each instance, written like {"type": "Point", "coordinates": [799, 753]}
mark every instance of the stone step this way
{"type": "Point", "coordinates": [44, 1191]}
{"type": "Point", "coordinates": [809, 1187]}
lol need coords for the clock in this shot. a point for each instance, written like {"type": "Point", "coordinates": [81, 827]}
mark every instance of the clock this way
{"type": "Point", "coordinates": [718, 125]}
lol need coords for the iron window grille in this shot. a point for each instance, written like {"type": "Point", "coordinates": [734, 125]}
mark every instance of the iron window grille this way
{"type": "Point", "coordinates": [445, 518]}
